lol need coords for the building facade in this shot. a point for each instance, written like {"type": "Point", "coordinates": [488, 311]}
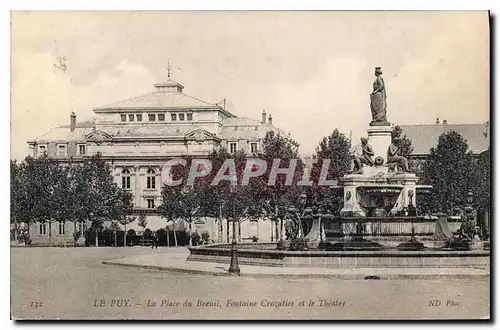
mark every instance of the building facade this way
{"type": "Point", "coordinates": [425, 137]}
{"type": "Point", "coordinates": [137, 136]}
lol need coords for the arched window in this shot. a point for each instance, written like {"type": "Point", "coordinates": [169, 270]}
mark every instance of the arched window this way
{"type": "Point", "coordinates": [151, 179]}
{"type": "Point", "coordinates": [125, 179]}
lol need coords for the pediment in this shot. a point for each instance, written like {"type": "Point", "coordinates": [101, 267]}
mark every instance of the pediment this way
{"type": "Point", "coordinates": [98, 136]}
{"type": "Point", "coordinates": [199, 135]}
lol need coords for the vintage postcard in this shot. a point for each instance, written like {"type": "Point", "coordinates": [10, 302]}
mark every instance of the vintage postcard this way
{"type": "Point", "coordinates": [232, 165]}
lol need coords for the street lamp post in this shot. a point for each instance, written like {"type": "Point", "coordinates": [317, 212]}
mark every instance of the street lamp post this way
{"type": "Point", "coordinates": [303, 201]}
{"type": "Point", "coordinates": [233, 267]}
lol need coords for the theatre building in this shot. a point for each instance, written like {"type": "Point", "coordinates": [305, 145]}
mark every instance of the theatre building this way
{"type": "Point", "coordinates": [137, 136]}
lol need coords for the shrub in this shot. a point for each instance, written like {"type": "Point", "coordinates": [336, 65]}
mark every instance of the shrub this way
{"type": "Point", "coordinates": [205, 237]}
{"type": "Point", "coordinates": [90, 236]}
{"type": "Point", "coordinates": [148, 234]}
{"type": "Point", "coordinates": [76, 236]}
{"type": "Point", "coordinates": [298, 244]}
{"type": "Point", "coordinates": [161, 234]}
{"type": "Point", "coordinates": [195, 238]}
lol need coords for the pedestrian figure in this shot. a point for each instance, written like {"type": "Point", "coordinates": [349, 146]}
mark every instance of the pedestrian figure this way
{"type": "Point", "coordinates": [154, 242]}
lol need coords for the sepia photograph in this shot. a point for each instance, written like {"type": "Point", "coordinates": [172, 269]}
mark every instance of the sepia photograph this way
{"type": "Point", "coordinates": [250, 165]}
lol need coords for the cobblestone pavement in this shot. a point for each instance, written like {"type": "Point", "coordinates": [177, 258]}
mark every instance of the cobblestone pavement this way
{"type": "Point", "coordinates": [72, 283]}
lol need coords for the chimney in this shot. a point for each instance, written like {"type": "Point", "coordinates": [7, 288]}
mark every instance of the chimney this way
{"type": "Point", "coordinates": [72, 121]}
{"type": "Point", "coordinates": [437, 121]}
{"type": "Point", "coordinates": [270, 121]}
{"type": "Point", "coordinates": [445, 122]}
{"type": "Point", "coordinates": [263, 117]}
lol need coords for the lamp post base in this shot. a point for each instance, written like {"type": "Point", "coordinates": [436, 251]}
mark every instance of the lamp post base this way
{"type": "Point", "coordinates": [234, 269]}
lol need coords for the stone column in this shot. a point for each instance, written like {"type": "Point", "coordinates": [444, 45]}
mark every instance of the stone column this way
{"type": "Point", "coordinates": [351, 203]}
{"type": "Point", "coordinates": [379, 138]}
{"type": "Point", "coordinates": [137, 186]}
{"type": "Point", "coordinates": [408, 193]}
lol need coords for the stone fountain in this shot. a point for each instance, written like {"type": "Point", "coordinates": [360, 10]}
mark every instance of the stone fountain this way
{"type": "Point", "coordinates": [380, 191]}
{"type": "Point", "coordinates": [379, 223]}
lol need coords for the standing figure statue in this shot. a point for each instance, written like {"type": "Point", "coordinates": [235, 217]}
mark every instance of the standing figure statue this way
{"type": "Point", "coordinates": [378, 102]}
{"type": "Point", "coordinates": [362, 154]}
{"type": "Point", "coordinates": [394, 155]}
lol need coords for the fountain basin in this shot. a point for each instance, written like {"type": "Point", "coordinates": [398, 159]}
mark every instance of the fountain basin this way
{"type": "Point", "coordinates": [253, 254]}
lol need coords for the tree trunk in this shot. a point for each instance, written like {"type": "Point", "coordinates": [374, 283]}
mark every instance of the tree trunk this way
{"type": "Point", "coordinates": [50, 232]}
{"type": "Point", "coordinates": [239, 230]}
{"type": "Point", "coordinates": [272, 229]}
{"type": "Point", "coordinates": [175, 236]}
{"type": "Point", "coordinates": [26, 239]}
{"type": "Point", "coordinates": [15, 231]}
{"type": "Point", "coordinates": [227, 229]}
{"type": "Point", "coordinates": [125, 234]}
{"type": "Point", "coordinates": [74, 233]}
{"type": "Point", "coordinates": [96, 238]}
{"type": "Point", "coordinates": [116, 240]}
{"type": "Point", "coordinates": [277, 231]}
{"type": "Point", "coordinates": [190, 244]}
{"type": "Point", "coordinates": [221, 226]}
{"type": "Point", "coordinates": [168, 236]}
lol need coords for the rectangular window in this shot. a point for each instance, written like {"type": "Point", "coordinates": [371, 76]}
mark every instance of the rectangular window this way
{"type": "Point", "coordinates": [233, 146]}
{"type": "Point", "coordinates": [189, 116]}
{"type": "Point", "coordinates": [152, 117]}
{"type": "Point", "coordinates": [81, 149]}
{"type": "Point", "coordinates": [181, 116]}
{"type": "Point", "coordinates": [151, 203]}
{"type": "Point", "coordinates": [151, 182]}
{"type": "Point", "coordinates": [173, 116]}
{"type": "Point", "coordinates": [123, 117]}
{"type": "Point", "coordinates": [42, 150]}
{"type": "Point", "coordinates": [43, 229]}
{"type": "Point", "coordinates": [139, 117]}
{"type": "Point", "coordinates": [61, 228]}
{"type": "Point", "coordinates": [125, 182]}
{"type": "Point", "coordinates": [253, 147]}
{"type": "Point", "coordinates": [61, 150]}
{"type": "Point", "coordinates": [161, 117]}
{"type": "Point", "coordinates": [131, 117]}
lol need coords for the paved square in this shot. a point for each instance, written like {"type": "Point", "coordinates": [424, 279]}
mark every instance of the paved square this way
{"type": "Point", "coordinates": [72, 283]}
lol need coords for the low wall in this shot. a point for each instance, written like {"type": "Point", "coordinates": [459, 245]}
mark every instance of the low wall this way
{"type": "Point", "coordinates": [343, 259]}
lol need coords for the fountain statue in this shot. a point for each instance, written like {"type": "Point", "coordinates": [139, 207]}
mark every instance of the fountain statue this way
{"type": "Point", "coordinates": [362, 154]}
{"type": "Point", "coordinates": [378, 100]}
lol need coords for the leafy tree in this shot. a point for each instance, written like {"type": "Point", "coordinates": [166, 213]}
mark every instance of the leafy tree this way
{"type": "Point", "coordinates": [482, 187]}
{"type": "Point", "coordinates": [181, 202]}
{"type": "Point", "coordinates": [48, 191]}
{"type": "Point", "coordinates": [451, 170]}
{"type": "Point", "coordinates": [114, 228]}
{"type": "Point", "coordinates": [97, 193]}
{"type": "Point", "coordinates": [274, 201]}
{"type": "Point", "coordinates": [18, 200]}
{"type": "Point", "coordinates": [142, 221]}
{"type": "Point", "coordinates": [124, 207]}
{"type": "Point", "coordinates": [335, 148]}
{"type": "Point", "coordinates": [42, 176]}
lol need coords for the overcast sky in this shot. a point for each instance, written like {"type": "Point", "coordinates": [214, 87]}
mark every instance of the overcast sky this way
{"type": "Point", "coordinates": [313, 71]}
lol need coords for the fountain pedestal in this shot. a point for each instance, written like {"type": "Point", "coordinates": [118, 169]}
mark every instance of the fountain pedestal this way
{"type": "Point", "coordinates": [376, 190]}
{"type": "Point", "coordinates": [380, 139]}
